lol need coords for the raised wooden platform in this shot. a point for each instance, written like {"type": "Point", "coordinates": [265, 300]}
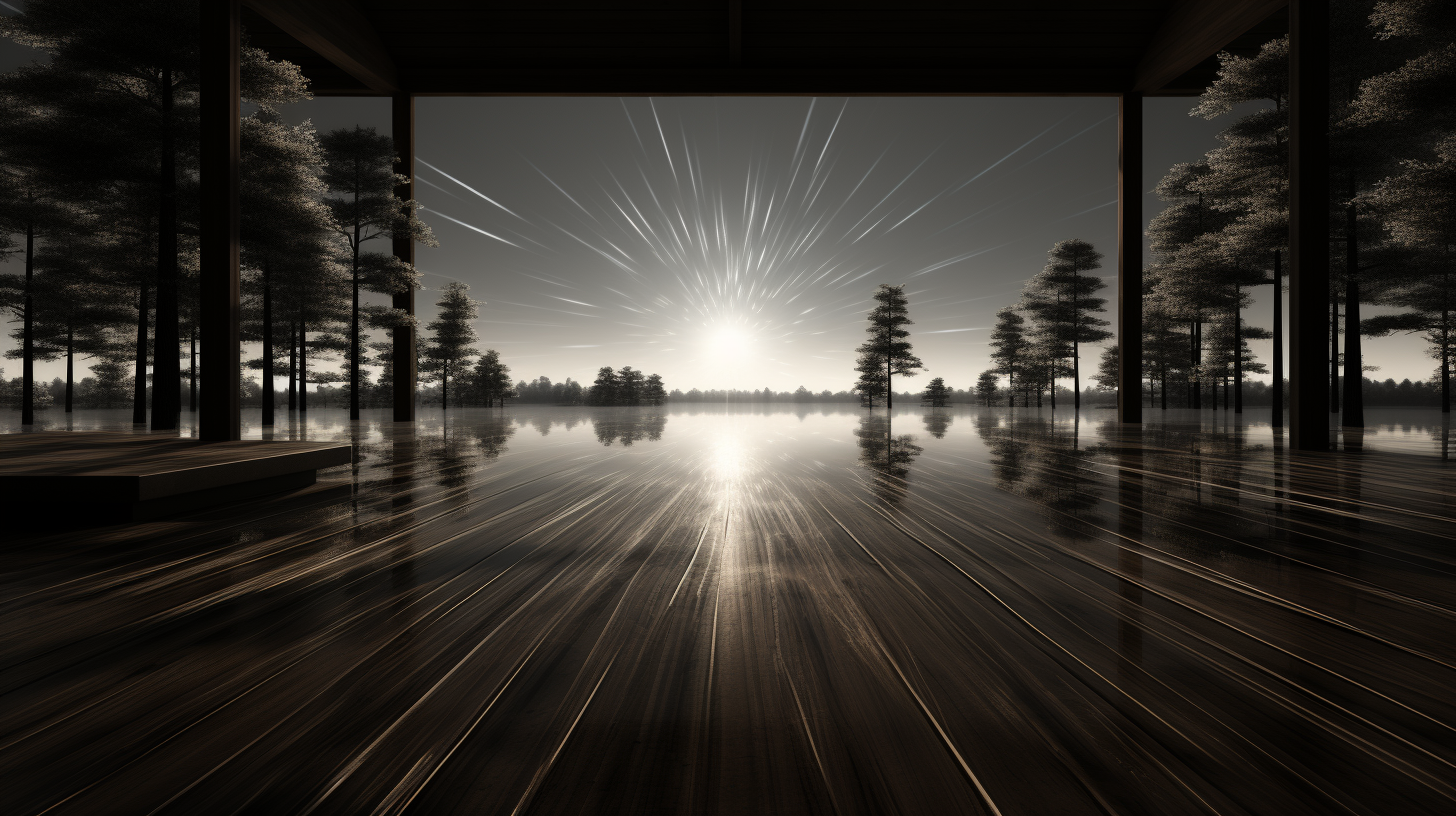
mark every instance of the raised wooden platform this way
{"type": "Point", "coordinates": [114, 476]}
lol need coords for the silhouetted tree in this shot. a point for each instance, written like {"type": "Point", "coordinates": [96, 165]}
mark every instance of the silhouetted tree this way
{"type": "Point", "coordinates": [887, 344]}
{"type": "Point", "coordinates": [987, 386]}
{"type": "Point", "coordinates": [653, 391]}
{"type": "Point", "coordinates": [452, 333]}
{"type": "Point", "coordinates": [1062, 298]}
{"type": "Point", "coordinates": [1008, 347]}
{"type": "Point", "coordinates": [493, 379]}
{"type": "Point", "coordinates": [360, 177]}
{"type": "Point", "coordinates": [937, 394]}
{"type": "Point", "coordinates": [605, 390]}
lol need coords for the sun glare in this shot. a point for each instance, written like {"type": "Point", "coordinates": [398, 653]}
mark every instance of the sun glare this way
{"type": "Point", "coordinates": [728, 345]}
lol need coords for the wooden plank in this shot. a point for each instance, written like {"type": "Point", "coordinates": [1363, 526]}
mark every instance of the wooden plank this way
{"type": "Point", "coordinates": [1194, 30]}
{"type": "Point", "coordinates": [220, 416]}
{"type": "Point", "coordinates": [339, 32]}
{"type": "Point", "coordinates": [108, 468]}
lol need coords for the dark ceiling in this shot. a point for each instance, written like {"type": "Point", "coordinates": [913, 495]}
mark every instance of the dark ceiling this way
{"type": "Point", "coordinates": [704, 47]}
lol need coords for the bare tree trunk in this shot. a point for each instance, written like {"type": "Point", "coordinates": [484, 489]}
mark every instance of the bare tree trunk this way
{"type": "Point", "coordinates": [1354, 413]}
{"type": "Point", "coordinates": [27, 341]}
{"type": "Point", "coordinates": [1278, 396]}
{"type": "Point", "coordinates": [1334, 354]}
{"type": "Point", "coordinates": [292, 367]}
{"type": "Point", "coordinates": [166, 378]}
{"type": "Point", "coordinates": [192, 374]}
{"type": "Point", "coordinates": [70, 364]}
{"type": "Point", "coordinates": [889, 391]}
{"type": "Point", "coordinates": [267, 347]}
{"type": "Point", "coordinates": [302, 366]}
{"type": "Point", "coordinates": [139, 389]}
{"type": "Point", "coordinates": [1238, 354]}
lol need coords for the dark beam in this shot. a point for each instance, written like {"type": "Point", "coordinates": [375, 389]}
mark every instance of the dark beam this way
{"type": "Point", "coordinates": [405, 364]}
{"type": "Point", "coordinates": [220, 417]}
{"type": "Point", "coordinates": [1194, 31]}
{"type": "Point", "coordinates": [1130, 257]}
{"type": "Point", "coordinates": [790, 81]}
{"type": "Point", "coordinates": [340, 33]}
{"type": "Point", "coordinates": [1309, 224]}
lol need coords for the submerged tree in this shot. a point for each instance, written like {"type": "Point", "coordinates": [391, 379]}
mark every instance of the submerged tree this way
{"type": "Point", "coordinates": [987, 386]}
{"type": "Point", "coordinates": [1063, 300]}
{"type": "Point", "coordinates": [493, 379]}
{"type": "Point", "coordinates": [1009, 346]}
{"type": "Point", "coordinates": [873, 378]}
{"type": "Point", "coordinates": [604, 391]}
{"type": "Point", "coordinates": [452, 333]}
{"type": "Point", "coordinates": [937, 393]}
{"type": "Point", "coordinates": [887, 346]}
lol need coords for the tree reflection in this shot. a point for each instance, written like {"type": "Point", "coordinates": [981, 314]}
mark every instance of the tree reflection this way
{"type": "Point", "coordinates": [491, 435]}
{"type": "Point", "coordinates": [887, 455]}
{"type": "Point", "coordinates": [936, 422]}
{"type": "Point", "coordinates": [625, 429]}
{"type": "Point", "coordinates": [1032, 458]}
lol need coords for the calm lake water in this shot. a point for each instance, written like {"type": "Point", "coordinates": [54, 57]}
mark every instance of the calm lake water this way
{"type": "Point", "coordinates": [795, 609]}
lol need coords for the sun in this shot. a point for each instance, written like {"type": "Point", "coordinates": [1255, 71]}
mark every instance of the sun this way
{"type": "Point", "coordinates": [729, 354]}
{"type": "Point", "coordinates": [728, 345]}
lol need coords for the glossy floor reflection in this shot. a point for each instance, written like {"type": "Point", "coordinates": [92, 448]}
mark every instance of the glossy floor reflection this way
{"type": "Point", "coordinates": [705, 610]}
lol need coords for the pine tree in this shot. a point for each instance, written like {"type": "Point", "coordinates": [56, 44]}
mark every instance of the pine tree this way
{"type": "Point", "coordinates": [142, 58]}
{"type": "Point", "coordinates": [1062, 298]}
{"type": "Point", "coordinates": [1419, 210]}
{"type": "Point", "coordinates": [987, 386]}
{"type": "Point", "coordinates": [936, 393]}
{"type": "Point", "coordinates": [653, 391]}
{"type": "Point", "coordinates": [887, 344]}
{"type": "Point", "coordinates": [605, 390]}
{"type": "Point", "coordinates": [285, 230]}
{"type": "Point", "coordinates": [493, 378]}
{"type": "Point", "coordinates": [452, 333]}
{"type": "Point", "coordinates": [872, 378]}
{"type": "Point", "coordinates": [1009, 346]}
{"type": "Point", "coordinates": [361, 180]}
{"type": "Point", "coordinates": [629, 386]}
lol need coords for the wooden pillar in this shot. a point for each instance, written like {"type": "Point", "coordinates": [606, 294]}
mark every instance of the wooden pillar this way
{"type": "Point", "coordinates": [1130, 257]}
{"type": "Point", "coordinates": [1309, 224]}
{"type": "Point", "coordinates": [404, 352]}
{"type": "Point", "coordinates": [220, 417]}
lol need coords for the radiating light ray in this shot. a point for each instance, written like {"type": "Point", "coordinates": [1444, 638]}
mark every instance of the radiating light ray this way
{"type": "Point", "coordinates": [466, 186]}
{"type": "Point", "coordinates": [998, 162]}
{"type": "Point", "coordinates": [429, 183]}
{"type": "Point", "coordinates": [470, 226]}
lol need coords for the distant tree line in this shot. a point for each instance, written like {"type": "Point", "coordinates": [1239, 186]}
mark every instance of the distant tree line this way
{"type": "Point", "coordinates": [626, 387]}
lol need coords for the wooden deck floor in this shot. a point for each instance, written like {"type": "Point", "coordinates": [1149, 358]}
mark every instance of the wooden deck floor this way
{"type": "Point", "coordinates": [636, 614]}
{"type": "Point", "coordinates": [145, 475]}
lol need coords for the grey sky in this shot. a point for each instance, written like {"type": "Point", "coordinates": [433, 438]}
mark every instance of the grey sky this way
{"type": "Point", "coordinates": [733, 242]}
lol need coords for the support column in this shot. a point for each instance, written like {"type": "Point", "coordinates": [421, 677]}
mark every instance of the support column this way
{"type": "Point", "coordinates": [1309, 224]}
{"type": "Point", "coordinates": [220, 417]}
{"type": "Point", "coordinates": [1130, 257]}
{"type": "Point", "coordinates": [404, 353]}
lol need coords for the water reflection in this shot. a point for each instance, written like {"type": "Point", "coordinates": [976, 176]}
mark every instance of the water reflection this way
{"type": "Point", "coordinates": [937, 420]}
{"type": "Point", "coordinates": [887, 455]}
{"type": "Point", "coordinates": [491, 434]}
{"type": "Point", "coordinates": [1035, 457]}
{"type": "Point", "coordinates": [626, 429]}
